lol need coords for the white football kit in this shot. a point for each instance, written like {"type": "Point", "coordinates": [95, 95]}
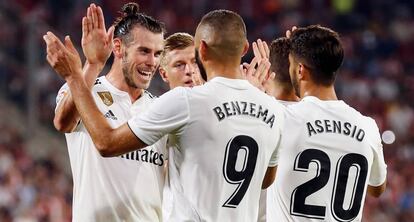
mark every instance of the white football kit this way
{"type": "Point", "coordinates": [124, 188]}
{"type": "Point", "coordinates": [226, 133]}
{"type": "Point", "coordinates": [263, 194]}
{"type": "Point", "coordinates": [329, 153]}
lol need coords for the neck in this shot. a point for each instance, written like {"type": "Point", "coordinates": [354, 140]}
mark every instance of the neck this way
{"type": "Point", "coordinates": [321, 92]}
{"type": "Point", "coordinates": [116, 78]}
{"type": "Point", "coordinates": [281, 92]}
{"type": "Point", "coordinates": [228, 70]}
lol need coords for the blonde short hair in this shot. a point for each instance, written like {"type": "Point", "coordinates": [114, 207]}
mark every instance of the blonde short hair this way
{"type": "Point", "coordinates": [179, 40]}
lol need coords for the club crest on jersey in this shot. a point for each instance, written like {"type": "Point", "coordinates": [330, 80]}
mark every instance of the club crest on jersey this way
{"type": "Point", "coordinates": [106, 98]}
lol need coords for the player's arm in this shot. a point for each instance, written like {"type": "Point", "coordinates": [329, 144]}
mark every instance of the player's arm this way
{"type": "Point", "coordinates": [97, 47]}
{"type": "Point", "coordinates": [140, 131]}
{"type": "Point", "coordinates": [65, 60]}
{"type": "Point", "coordinates": [66, 115]}
{"type": "Point", "coordinates": [376, 191]}
{"type": "Point", "coordinates": [269, 177]}
{"type": "Point", "coordinates": [378, 175]}
{"type": "Point", "coordinates": [108, 141]}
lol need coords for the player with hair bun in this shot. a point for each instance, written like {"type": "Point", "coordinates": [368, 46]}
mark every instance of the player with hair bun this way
{"type": "Point", "coordinates": [127, 187]}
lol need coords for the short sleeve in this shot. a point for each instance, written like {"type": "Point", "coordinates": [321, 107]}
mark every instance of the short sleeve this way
{"type": "Point", "coordinates": [379, 168]}
{"type": "Point", "coordinates": [280, 123]}
{"type": "Point", "coordinates": [274, 159]}
{"type": "Point", "coordinates": [63, 91]}
{"type": "Point", "coordinates": [168, 113]}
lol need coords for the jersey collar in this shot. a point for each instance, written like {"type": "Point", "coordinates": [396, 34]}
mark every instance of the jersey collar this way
{"type": "Point", "coordinates": [234, 83]}
{"type": "Point", "coordinates": [112, 88]}
{"type": "Point", "coordinates": [315, 99]}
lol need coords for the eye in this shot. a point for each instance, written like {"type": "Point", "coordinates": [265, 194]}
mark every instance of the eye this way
{"type": "Point", "coordinates": [144, 51]}
{"type": "Point", "coordinates": [158, 54]}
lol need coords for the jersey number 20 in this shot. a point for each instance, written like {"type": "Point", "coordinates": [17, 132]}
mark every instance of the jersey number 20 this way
{"type": "Point", "coordinates": [241, 172]}
{"type": "Point", "coordinates": [298, 206]}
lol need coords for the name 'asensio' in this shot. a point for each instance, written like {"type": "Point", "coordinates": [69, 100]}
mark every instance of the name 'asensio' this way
{"type": "Point", "coordinates": [233, 108]}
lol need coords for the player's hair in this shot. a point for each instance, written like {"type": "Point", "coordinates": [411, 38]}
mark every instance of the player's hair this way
{"type": "Point", "coordinates": [179, 40]}
{"type": "Point", "coordinates": [279, 59]}
{"type": "Point", "coordinates": [227, 32]}
{"type": "Point", "coordinates": [320, 50]}
{"type": "Point", "coordinates": [130, 18]}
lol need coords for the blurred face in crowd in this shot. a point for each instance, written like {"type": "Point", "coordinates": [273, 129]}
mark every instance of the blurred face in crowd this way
{"type": "Point", "coordinates": [141, 56]}
{"type": "Point", "coordinates": [179, 66]}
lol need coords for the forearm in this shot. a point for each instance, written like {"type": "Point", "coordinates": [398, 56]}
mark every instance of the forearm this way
{"type": "Point", "coordinates": [108, 141]}
{"type": "Point", "coordinates": [92, 118]}
{"type": "Point", "coordinates": [66, 115]}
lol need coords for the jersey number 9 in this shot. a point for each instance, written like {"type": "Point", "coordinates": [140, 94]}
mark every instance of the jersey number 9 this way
{"type": "Point", "coordinates": [239, 173]}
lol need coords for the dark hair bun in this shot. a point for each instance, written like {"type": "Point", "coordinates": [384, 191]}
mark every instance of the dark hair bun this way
{"type": "Point", "coordinates": [130, 9]}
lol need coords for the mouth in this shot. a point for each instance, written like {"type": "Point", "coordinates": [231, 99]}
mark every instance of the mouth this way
{"type": "Point", "coordinates": [145, 74]}
{"type": "Point", "coordinates": [189, 83]}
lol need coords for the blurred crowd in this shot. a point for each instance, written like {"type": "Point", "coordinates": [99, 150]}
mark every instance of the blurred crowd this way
{"type": "Point", "coordinates": [377, 78]}
{"type": "Point", "coordinates": [31, 190]}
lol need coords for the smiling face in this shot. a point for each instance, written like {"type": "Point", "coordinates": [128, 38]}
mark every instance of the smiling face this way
{"type": "Point", "coordinates": [179, 67]}
{"type": "Point", "coordinates": [141, 57]}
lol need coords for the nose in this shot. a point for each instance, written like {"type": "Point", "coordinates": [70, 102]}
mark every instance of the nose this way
{"type": "Point", "coordinates": [151, 60]}
{"type": "Point", "coordinates": [189, 69]}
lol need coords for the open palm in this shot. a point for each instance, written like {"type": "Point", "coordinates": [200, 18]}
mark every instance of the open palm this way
{"type": "Point", "coordinates": [96, 41]}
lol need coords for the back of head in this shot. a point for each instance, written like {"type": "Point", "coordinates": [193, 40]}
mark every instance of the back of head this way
{"type": "Point", "coordinates": [320, 50]}
{"type": "Point", "coordinates": [279, 59]}
{"type": "Point", "coordinates": [131, 18]}
{"type": "Point", "coordinates": [224, 32]}
{"type": "Point", "coordinates": [179, 40]}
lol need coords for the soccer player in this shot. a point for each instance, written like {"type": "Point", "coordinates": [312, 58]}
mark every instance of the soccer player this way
{"type": "Point", "coordinates": [127, 187]}
{"type": "Point", "coordinates": [177, 64]}
{"type": "Point", "coordinates": [279, 87]}
{"type": "Point", "coordinates": [224, 153]}
{"type": "Point", "coordinates": [333, 155]}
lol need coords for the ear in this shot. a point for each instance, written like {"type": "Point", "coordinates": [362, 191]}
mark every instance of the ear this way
{"type": "Point", "coordinates": [163, 74]}
{"type": "Point", "coordinates": [303, 72]}
{"type": "Point", "coordinates": [117, 50]}
{"type": "Point", "coordinates": [246, 48]}
{"type": "Point", "coordinates": [203, 50]}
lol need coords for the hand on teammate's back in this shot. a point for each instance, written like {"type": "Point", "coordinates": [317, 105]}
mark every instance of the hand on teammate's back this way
{"type": "Point", "coordinates": [64, 58]}
{"type": "Point", "coordinates": [97, 43]}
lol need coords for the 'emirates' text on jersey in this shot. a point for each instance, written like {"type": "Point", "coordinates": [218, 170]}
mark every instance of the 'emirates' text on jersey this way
{"type": "Point", "coordinates": [124, 188]}
{"type": "Point", "coordinates": [328, 157]}
{"type": "Point", "coordinates": [226, 134]}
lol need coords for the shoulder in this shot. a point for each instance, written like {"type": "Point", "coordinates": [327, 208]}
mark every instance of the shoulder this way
{"type": "Point", "coordinates": [99, 84]}
{"type": "Point", "coordinates": [149, 95]}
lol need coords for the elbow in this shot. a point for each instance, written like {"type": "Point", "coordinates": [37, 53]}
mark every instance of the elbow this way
{"type": "Point", "coordinates": [376, 191]}
{"type": "Point", "coordinates": [61, 126]}
{"type": "Point", "coordinates": [267, 183]}
{"type": "Point", "coordinates": [105, 149]}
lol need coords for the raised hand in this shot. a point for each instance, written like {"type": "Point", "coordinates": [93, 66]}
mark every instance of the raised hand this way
{"type": "Point", "coordinates": [289, 32]}
{"type": "Point", "coordinates": [257, 76]}
{"type": "Point", "coordinates": [96, 41]}
{"type": "Point", "coordinates": [260, 75]}
{"type": "Point", "coordinates": [261, 49]}
{"type": "Point", "coordinates": [197, 79]}
{"type": "Point", "coordinates": [64, 58]}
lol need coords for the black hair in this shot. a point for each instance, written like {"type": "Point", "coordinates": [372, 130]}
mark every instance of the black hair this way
{"type": "Point", "coordinates": [320, 50]}
{"type": "Point", "coordinates": [131, 17]}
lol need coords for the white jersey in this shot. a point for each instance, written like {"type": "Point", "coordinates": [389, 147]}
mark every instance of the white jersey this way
{"type": "Point", "coordinates": [226, 133]}
{"type": "Point", "coordinates": [263, 194]}
{"type": "Point", "coordinates": [123, 188]}
{"type": "Point", "coordinates": [329, 154]}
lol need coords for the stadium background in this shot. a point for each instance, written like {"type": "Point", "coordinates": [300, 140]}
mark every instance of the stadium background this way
{"type": "Point", "coordinates": [377, 78]}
